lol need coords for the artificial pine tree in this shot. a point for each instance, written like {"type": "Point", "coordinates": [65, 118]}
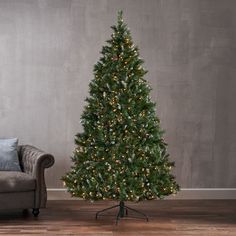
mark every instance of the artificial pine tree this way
{"type": "Point", "coordinates": [121, 154]}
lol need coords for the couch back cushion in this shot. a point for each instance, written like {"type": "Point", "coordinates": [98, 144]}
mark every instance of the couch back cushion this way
{"type": "Point", "coordinates": [9, 160]}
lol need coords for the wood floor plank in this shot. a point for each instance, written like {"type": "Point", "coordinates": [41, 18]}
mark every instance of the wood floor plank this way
{"type": "Point", "coordinates": [166, 218]}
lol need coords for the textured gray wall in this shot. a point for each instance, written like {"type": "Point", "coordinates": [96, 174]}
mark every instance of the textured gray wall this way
{"type": "Point", "coordinates": [47, 52]}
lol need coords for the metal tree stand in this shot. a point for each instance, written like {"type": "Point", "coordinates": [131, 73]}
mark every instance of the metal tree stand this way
{"type": "Point", "coordinates": [123, 211]}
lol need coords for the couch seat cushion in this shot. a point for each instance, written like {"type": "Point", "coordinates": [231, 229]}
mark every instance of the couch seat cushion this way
{"type": "Point", "coordinates": [15, 181]}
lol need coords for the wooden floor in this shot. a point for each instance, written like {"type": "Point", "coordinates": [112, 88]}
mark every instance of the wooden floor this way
{"type": "Point", "coordinates": [166, 218]}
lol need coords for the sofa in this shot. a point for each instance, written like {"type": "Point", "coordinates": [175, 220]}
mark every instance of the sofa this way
{"type": "Point", "coordinates": [26, 189]}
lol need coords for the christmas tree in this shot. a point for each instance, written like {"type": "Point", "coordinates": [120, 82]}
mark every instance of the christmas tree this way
{"type": "Point", "coordinates": [121, 154]}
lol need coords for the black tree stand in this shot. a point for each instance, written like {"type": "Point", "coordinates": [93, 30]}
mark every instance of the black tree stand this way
{"type": "Point", "coordinates": [123, 211]}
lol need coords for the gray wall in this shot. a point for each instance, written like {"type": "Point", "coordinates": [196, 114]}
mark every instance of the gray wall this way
{"type": "Point", "coordinates": [47, 52]}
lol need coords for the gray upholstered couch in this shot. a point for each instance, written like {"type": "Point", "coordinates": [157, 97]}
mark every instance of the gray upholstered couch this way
{"type": "Point", "coordinates": [26, 189]}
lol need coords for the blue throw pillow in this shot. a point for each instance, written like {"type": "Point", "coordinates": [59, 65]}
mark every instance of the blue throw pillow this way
{"type": "Point", "coordinates": [9, 160]}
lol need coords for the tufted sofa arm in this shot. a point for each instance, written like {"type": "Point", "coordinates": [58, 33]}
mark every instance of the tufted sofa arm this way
{"type": "Point", "coordinates": [33, 162]}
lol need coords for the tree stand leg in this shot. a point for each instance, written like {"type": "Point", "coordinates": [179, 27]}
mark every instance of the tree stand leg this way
{"type": "Point", "coordinates": [106, 209]}
{"type": "Point", "coordinates": [123, 211]}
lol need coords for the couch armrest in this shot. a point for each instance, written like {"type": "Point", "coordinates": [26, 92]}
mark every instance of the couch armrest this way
{"type": "Point", "coordinates": [33, 162]}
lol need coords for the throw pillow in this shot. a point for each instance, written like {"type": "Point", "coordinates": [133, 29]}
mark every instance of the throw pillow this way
{"type": "Point", "coordinates": [9, 160]}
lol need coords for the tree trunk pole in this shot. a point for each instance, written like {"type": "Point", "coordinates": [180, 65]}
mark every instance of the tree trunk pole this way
{"type": "Point", "coordinates": [122, 209]}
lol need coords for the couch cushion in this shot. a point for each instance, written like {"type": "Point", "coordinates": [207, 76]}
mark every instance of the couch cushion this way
{"type": "Point", "coordinates": [9, 155]}
{"type": "Point", "coordinates": [15, 181]}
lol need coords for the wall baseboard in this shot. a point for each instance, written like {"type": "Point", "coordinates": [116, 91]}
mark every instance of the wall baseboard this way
{"type": "Point", "coordinates": [185, 193]}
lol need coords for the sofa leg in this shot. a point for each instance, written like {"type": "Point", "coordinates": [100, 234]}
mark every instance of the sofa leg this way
{"type": "Point", "coordinates": [35, 212]}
